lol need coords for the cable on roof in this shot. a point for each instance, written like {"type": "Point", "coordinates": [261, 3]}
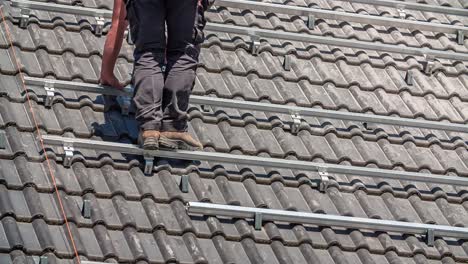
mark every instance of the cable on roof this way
{"type": "Point", "coordinates": [52, 175]}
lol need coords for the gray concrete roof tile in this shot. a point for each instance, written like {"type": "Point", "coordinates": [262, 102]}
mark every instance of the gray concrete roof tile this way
{"type": "Point", "coordinates": [142, 213]}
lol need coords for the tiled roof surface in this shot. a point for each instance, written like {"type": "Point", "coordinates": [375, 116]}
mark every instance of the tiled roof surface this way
{"type": "Point", "coordinates": [143, 219]}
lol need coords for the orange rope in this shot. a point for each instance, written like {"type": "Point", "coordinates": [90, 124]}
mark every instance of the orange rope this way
{"type": "Point", "coordinates": [7, 30]}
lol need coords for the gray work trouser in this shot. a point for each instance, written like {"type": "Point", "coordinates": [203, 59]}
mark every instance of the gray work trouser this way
{"type": "Point", "coordinates": [162, 93]}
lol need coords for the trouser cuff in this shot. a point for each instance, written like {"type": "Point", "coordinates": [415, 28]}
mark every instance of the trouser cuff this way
{"type": "Point", "coordinates": [179, 126]}
{"type": "Point", "coordinates": [151, 126]}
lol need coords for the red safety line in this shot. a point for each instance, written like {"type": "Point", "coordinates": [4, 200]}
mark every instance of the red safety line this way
{"type": "Point", "coordinates": [39, 135]}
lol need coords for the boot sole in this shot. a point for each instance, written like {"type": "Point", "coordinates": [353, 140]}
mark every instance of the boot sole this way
{"type": "Point", "coordinates": [150, 144]}
{"type": "Point", "coordinates": [174, 144]}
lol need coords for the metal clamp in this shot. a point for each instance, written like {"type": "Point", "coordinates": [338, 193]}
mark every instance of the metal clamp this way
{"type": "Point", "coordinates": [429, 64]}
{"type": "Point", "coordinates": [149, 164]}
{"type": "Point", "coordinates": [129, 36]}
{"type": "Point", "coordinates": [324, 179]}
{"type": "Point", "coordinates": [461, 37]}
{"type": "Point", "coordinates": [297, 120]}
{"type": "Point", "coordinates": [206, 108]}
{"type": "Point", "coordinates": [401, 11]}
{"type": "Point", "coordinates": [2, 140]}
{"type": "Point", "coordinates": [68, 148]}
{"type": "Point", "coordinates": [50, 93]}
{"type": "Point", "coordinates": [36, 259]}
{"type": "Point", "coordinates": [44, 260]}
{"type": "Point", "coordinates": [311, 22]}
{"type": "Point", "coordinates": [409, 78]}
{"type": "Point", "coordinates": [287, 62]}
{"type": "Point", "coordinates": [86, 209]}
{"type": "Point", "coordinates": [24, 19]}
{"type": "Point", "coordinates": [184, 182]}
{"type": "Point", "coordinates": [258, 221]}
{"type": "Point", "coordinates": [40, 260]}
{"type": "Point", "coordinates": [430, 237]}
{"type": "Point", "coordinates": [254, 46]}
{"type": "Point", "coordinates": [98, 28]}
{"type": "Point", "coordinates": [369, 125]}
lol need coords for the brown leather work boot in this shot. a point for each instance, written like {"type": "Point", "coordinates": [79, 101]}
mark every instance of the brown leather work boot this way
{"type": "Point", "coordinates": [179, 140]}
{"type": "Point", "coordinates": [148, 139]}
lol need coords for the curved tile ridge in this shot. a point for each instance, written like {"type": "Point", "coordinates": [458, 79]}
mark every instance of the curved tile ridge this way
{"type": "Point", "coordinates": [331, 31]}
{"type": "Point", "coordinates": [336, 70]}
{"type": "Point", "coordinates": [106, 180]}
{"type": "Point", "coordinates": [116, 215]}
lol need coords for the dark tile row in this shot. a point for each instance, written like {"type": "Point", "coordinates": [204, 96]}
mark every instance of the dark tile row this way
{"type": "Point", "coordinates": [116, 217]}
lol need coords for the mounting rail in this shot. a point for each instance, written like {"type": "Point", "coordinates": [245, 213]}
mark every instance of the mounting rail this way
{"type": "Point", "coordinates": [341, 16]}
{"type": "Point", "coordinates": [255, 161]}
{"type": "Point", "coordinates": [260, 6]}
{"type": "Point", "coordinates": [326, 220]}
{"type": "Point", "coordinates": [256, 33]}
{"type": "Point", "coordinates": [349, 43]}
{"type": "Point", "coordinates": [263, 107]}
{"type": "Point", "coordinates": [414, 6]}
{"type": "Point", "coordinates": [60, 8]}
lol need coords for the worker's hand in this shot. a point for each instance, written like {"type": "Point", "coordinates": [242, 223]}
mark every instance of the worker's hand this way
{"type": "Point", "coordinates": [111, 80]}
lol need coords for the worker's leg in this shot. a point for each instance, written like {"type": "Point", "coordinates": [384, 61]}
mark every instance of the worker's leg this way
{"type": "Point", "coordinates": [147, 22]}
{"type": "Point", "coordinates": [182, 59]}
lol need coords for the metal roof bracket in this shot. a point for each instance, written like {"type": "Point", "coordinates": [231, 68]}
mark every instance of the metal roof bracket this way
{"type": "Point", "coordinates": [401, 11]}
{"type": "Point", "coordinates": [41, 259]}
{"type": "Point", "coordinates": [254, 45]}
{"type": "Point", "coordinates": [2, 140]}
{"type": "Point", "coordinates": [311, 22]}
{"type": "Point", "coordinates": [461, 37]}
{"type": "Point", "coordinates": [129, 36]}
{"type": "Point", "coordinates": [287, 62]}
{"type": "Point", "coordinates": [69, 149]}
{"type": "Point", "coordinates": [296, 124]}
{"type": "Point", "coordinates": [324, 180]}
{"type": "Point", "coordinates": [429, 64]}
{"type": "Point", "coordinates": [294, 217]}
{"type": "Point", "coordinates": [149, 164]}
{"type": "Point", "coordinates": [369, 125]}
{"type": "Point", "coordinates": [184, 182]}
{"type": "Point", "coordinates": [430, 237]}
{"type": "Point", "coordinates": [86, 209]}
{"type": "Point", "coordinates": [44, 260]}
{"type": "Point", "coordinates": [259, 161]}
{"type": "Point", "coordinates": [24, 19]}
{"type": "Point", "coordinates": [409, 78]}
{"type": "Point", "coordinates": [206, 109]}
{"type": "Point", "coordinates": [50, 92]}
{"type": "Point", "coordinates": [258, 221]}
{"type": "Point", "coordinates": [98, 28]}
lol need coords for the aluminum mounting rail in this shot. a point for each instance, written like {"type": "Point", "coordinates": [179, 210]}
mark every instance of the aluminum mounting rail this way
{"type": "Point", "coordinates": [261, 214]}
{"type": "Point", "coordinates": [314, 112]}
{"type": "Point", "coordinates": [263, 107]}
{"type": "Point", "coordinates": [414, 6]}
{"type": "Point", "coordinates": [50, 86]}
{"type": "Point", "coordinates": [77, 86]}
{"type": "Point", "coordinates": [60, 8]}
{"type": "Point", "coordinates": [349, 43]}
{"type": "Point", "coordinates": [76, 143]}
{"type": "Point", "coordinates": [27, 6]}
{"type": "Point", "coordinates": [265, 33]}
{"type": "Point", "coordinates": [342, 16]}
